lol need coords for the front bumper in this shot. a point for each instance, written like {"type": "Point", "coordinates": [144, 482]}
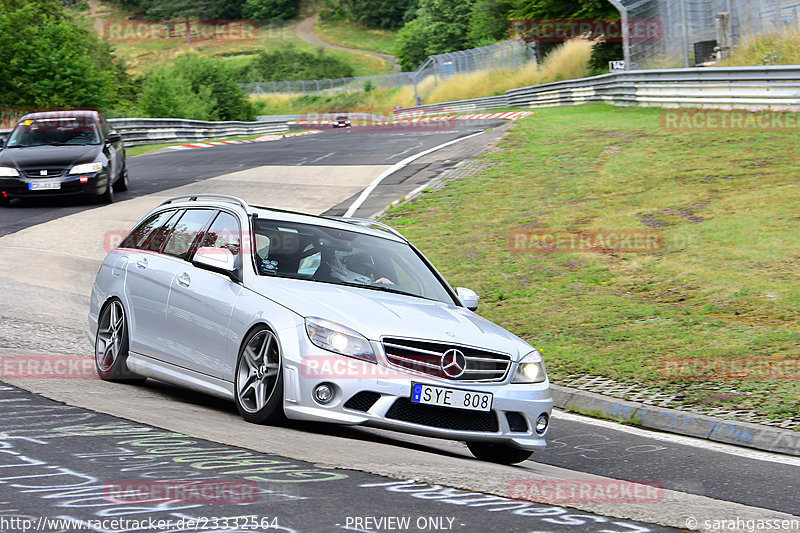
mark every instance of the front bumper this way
{"type": "Point", "coordinates": [379, 396]}
{"type": "Point", "coordinates": [17, 187]}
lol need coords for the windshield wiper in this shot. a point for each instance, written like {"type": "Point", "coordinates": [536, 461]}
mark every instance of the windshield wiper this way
{"type": "Point", "coordinates": [380, 287]}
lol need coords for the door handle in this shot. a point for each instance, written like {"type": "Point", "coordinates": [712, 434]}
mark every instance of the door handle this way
{"type": "Point", "coordinates": [142, 263]}
{"type": "Point", "coordinates": [184, 279]}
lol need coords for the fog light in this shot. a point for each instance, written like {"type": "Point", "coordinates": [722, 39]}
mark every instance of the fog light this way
{"type": "Point", "coordinates": [541, 424]}
{"type": "Point", "coordinates": [323, 393]}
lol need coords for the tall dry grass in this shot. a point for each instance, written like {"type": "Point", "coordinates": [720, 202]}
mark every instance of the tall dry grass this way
{"type": "Point", "coordinates": [568, 61]}
{"type": "Point", "coordinates": [779, 48]}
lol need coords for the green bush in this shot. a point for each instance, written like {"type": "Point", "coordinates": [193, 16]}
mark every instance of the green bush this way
{"type": "Point", "coordinates": [270, 9]}
{"type": "Point", "coordinates": [194, 87]}
{"type": "Point", "coordinates": [291, 63]}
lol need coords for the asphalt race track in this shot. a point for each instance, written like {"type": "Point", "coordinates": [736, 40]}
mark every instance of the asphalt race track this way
{"type": "Point", "coordinates": [320, 478]}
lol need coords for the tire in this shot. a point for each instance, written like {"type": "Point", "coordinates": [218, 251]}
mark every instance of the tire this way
{"type": "Point", "coordinates": [108, 196]}
{"type": "Point", "coordinates": [111, 345]}
{"type": "Point", "coordinates": [258, 382]}
{"type": "Point", "coordinates": [4, 201]}
{"type": "Point", "coordinates": [498, 453]}
{"type": "Point", "coordinates": [122, 182]}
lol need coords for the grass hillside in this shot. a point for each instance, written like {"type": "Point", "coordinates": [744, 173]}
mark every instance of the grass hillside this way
{"type": "Point", "coordinates": [141, 54]}
{"type": "Point", "coordinates": [725, 286]}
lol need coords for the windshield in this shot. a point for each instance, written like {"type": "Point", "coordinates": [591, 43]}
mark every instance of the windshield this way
{"type": "Point", "coordinates": [61, 131]}
{"type": "Point", "coordinates": [330, 255]}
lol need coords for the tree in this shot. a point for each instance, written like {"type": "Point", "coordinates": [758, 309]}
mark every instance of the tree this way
{"type": "Point", "coordinates": [386, 14]}
{"type": "Point", "coordinates": [563, 9]}
{"type": "Point", "coordinates": [271, 9]}
{"type": "Point", "coordinates": [441, 26]}
{"type": "Point", "coordinates": [488, 21]}
{"type": "Point", "coordinates": [50, 61]}
{"type": "Point", "coordinates": [195, 87]}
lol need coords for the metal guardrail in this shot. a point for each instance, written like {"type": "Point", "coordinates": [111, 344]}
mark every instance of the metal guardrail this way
{"type": "Point", "coordinates": [136, 131]}
{"type": "Point", "coordinates": [776, 88]}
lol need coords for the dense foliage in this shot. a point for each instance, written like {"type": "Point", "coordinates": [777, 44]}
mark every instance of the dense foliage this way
{"type": "Point", "coordinates": [291, 63]}
{"type": "Point", "coordinates": [49, 61]}
{"type": "Point", "coordinates": [195, 87]}
{"type": "Point", "coordinates": [385, 14]}
{"type": "Point", "coordinates": [214, 9]}
{"type": "Point", "coordinates": [449, 25]}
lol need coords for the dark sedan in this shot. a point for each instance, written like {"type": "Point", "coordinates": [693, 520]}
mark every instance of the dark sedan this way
{"type": "Point", "coordinates": [60, 153]}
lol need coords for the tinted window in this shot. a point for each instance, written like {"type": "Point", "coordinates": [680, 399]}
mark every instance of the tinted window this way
{"type": "Point", "coordinates": [328, 255]}
{"type": "Point", "coordinates": [140, 236]}
{"type": "Point", "coordinates": [185, 232]}
{"type": "Point", "coordinates": [224, 233]}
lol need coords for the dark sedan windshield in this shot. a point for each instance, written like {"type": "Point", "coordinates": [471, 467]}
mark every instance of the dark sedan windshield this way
{"type": "Point", "coordinates": [331, 255]}
{"type": "Point", "coordinates": [62, 131]}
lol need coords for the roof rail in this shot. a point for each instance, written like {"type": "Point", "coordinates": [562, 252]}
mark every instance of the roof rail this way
{"type": "Point", "coordinates": [367, 223]}
{"type": "Point", "coordinates": [194, 197]}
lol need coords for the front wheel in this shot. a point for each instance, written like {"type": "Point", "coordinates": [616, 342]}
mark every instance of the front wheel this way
{"type": "Point", "coordinates": [498, 453]}
{"type": "Point", "coordinates": [122, 182]}
{"type": "Point", "coordinates": [111, 345]}
{"type": "Point", "coordinates": [108, 196]}
{"type": "Point", "coordinates": [259, 378]}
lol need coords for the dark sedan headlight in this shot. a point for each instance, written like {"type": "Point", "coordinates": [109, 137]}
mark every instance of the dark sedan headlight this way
{"type": "Point", "coordinates": [339, 339]}
{"type": "Point", "coordinates": [87, 168]}
{"type": "Point", "coordinates": [9, 172]}
{"type": "Point", "coordinates": [530, 369]}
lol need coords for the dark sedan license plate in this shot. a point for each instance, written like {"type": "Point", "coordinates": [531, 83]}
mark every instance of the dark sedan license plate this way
{"type": "Point", "coordinates": [44, 186]}
{"type": "Point", "coordinates": [455, 398]}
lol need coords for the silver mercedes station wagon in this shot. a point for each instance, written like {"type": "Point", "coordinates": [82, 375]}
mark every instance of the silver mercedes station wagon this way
{"type": "Point", "coordinates": [313, 318]}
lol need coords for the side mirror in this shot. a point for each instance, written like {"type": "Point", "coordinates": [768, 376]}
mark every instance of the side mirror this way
{"type": "Point", "coordinates": [220, 260]}
{"type": "Point", "coordinates": [468, 297]}
{"type": "Point", "coordinates": [113, 138]}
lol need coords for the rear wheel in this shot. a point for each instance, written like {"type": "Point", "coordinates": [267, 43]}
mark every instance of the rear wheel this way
{"type": "Point", "coordinates": [498, 453]}
{"type": "Point", "coordinates": [259, 378]}
{"type": "Point", "coordinates": [111, 345]}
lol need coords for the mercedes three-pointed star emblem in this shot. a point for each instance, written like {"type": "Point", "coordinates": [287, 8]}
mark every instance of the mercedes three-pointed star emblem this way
{"type": "Point", "coordinates": [453, 364]}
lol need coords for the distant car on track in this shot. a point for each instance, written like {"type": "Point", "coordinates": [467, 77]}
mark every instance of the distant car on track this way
{"type": "Point", "coordinates": [60, 153]}
{"type": "Point", "coordinates": [322, 319]}
{"type": "Point", "coordinates": [341, 122]}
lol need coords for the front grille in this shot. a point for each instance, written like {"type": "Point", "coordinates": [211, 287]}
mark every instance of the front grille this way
{"type": "Point", "coordinates": [37, 172]}
{"type": "Point", "coordinates": [443, 417]}
{"type": "Point", "coordinates": [516, 422]}
{"type": "Point", "coordinates": [426, 357]}
{"type": "Point", "coordinates": [363, 401]}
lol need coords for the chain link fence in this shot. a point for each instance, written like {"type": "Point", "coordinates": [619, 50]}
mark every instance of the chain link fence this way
{"type": "Point", "coordinates": [505, 55]}
{"type": "Point", "coordinates": [700, 31]}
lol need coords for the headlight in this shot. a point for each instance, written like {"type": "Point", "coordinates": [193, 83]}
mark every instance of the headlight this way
{"type": "Point", "coordinates": [9, 172]}
{"type": "Point", "coordinates": [530, 369]}
{"type": "Point", "coordinates": [340, 339]}
{"type": "Point", "coordinates": [87, 168]}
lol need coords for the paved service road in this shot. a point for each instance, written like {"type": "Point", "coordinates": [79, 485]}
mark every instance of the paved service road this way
{"type": "Point", "coordinates": [46, 269]}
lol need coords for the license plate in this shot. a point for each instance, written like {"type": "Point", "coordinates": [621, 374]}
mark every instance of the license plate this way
{"type": "Point", "coordinates": [455, 398]}
{"type": "Point", "coordinates": [44, 185]}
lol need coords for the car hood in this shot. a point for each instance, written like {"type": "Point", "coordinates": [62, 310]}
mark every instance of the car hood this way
{"type": "Point", "coordinates": [377, 314]}
{"type": "Point", "coordinates": [48, 156]}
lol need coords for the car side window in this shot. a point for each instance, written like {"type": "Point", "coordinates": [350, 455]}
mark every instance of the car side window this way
{"type": "Point", "coordinates": [139, 237]}
{"type": "Point", "coordinates": [224, 233]}
{"type": "Point", "coordinates": [184, 234]}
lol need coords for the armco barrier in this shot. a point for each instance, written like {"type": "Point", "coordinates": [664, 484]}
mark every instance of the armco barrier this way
{"type": "Point", "coordinates": [164, 130]}
{"type": "Point", "coordinates": [776, 88]}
